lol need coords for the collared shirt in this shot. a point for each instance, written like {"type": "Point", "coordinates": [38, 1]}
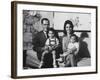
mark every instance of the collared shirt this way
{"type": "Point", "coordinates": [45, 33]}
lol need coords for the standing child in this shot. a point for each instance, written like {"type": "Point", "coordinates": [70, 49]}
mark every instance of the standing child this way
{"type": "Point", "coordinates": [71, 52]}
{"type": "Point", "coordinates": [50, 46]}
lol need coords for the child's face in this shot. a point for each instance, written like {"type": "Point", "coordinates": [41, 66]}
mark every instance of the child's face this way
{"type": "Point", "coordinates": [73, 39]}
{"type": "Point", "coordinates": [50, 34]}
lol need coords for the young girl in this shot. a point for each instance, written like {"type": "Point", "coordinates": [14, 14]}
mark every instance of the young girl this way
{"type": "Point", "coordinates": [73, 48]}
{"type": "Point", "coordinates": [51, 44]}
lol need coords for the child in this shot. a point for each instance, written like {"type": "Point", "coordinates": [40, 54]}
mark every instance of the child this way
{"type": "Point", "coordinates": [69, 55]}
{"type": "Point", "coordinates": [50, 46]}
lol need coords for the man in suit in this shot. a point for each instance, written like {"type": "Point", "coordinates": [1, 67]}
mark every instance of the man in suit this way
{"type": "Point", "coordinates": [39, 44]}
{"type": "Point", "coordinates": [40, 38]}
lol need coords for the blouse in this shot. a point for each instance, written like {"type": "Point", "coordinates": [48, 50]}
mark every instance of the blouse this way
{"type": "Point", "coordinates": [65, 42]}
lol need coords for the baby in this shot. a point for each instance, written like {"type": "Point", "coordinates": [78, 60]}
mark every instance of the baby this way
{"type": "Point", "coordinates": [69, 55]}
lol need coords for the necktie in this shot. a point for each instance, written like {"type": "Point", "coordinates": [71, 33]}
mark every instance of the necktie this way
{"type": "Point", "coordinates": [45, 33]}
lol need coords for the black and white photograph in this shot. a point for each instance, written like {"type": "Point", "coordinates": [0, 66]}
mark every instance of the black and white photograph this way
{"type": "Point", "coordinates": [54, 39]}
{"type": "Point", "coordinates": [70, 33]}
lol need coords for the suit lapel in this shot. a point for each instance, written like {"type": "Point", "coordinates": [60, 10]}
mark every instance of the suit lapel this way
{"type": "Point", "coordinates": [44, 35]}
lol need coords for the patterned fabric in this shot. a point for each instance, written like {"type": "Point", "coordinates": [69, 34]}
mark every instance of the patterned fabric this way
{"type": "Point", "coordinates": [52, 42]}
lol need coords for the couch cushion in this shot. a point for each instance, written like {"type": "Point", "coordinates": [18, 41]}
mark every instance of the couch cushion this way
{"type": "Point", "coordinates": [84, 62]}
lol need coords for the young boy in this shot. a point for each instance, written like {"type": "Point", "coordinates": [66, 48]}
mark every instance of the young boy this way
{"type": "Point", "coordinates": [51, 44]}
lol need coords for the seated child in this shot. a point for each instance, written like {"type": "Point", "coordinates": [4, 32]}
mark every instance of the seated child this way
{"type": "Point", "coordinates": [50, 47]}
{"type": "Point", "coordinates": [69, 55]}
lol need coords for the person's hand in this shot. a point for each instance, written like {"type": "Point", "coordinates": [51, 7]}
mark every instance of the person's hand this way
{"type": "Point", "coordinates": [45, 48]}
{"type": "Point", "coordinates": [54, 46]}
{"type": "Point", "coordinates": [46, 51]}
{"type": "Point", "coordinates": [64, 54]}
{"type": "Point", "coordinates": [50, 48]}
{"type": "Point", "coordinates": [61, 55]}
{"type": "Point", "coordinates": [69, 51]}
{"type": "Point", "coordinates": [65, 50]}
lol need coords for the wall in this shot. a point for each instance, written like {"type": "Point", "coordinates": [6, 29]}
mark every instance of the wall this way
{"type": "Point", "coordinates": [5, 40]}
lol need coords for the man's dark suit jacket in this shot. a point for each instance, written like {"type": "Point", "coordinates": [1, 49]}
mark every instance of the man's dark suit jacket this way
{"type": "Point", "coordinates": [39, 43]}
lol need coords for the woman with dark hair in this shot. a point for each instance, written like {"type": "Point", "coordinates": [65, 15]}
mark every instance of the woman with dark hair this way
{"type": "Point", "coordinates": [68, 32]}
{"type": "Point", "coordinates": [68, 25]}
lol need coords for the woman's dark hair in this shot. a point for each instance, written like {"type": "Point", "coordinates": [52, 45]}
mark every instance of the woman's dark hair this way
{"type": "Point", "coordinates": [46, 20]}
{"type": "Point", "coordinates": [71, 25]}
{"type": "Point", "coordinates": [75, 37]}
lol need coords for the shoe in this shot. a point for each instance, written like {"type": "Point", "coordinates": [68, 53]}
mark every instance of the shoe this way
{"type": "Point", "coordinates": [59, 60]}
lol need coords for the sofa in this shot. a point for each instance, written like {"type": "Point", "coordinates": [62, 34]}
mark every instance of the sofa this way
{"type": "Point", "coordinates": [84, 56]}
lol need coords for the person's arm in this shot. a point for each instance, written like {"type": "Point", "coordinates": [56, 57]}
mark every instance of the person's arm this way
{"type": "Point", "coordinates": [64, 45]}
{"type": "Point", "coordinates": [57, 41]}
{"type": "Point", "coordinates": [77, 48]}
{"type": "Point", "coordinates": [47, 44]}
{"type": "Point", "coordinates": [57, 44]}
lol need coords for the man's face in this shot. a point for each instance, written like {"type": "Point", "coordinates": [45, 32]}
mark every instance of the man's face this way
{"type": "Point", "coordinates": [45, 25]}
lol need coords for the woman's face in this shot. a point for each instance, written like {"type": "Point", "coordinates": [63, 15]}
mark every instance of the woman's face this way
{"type": "Point", "coordinates": [68, 28]}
